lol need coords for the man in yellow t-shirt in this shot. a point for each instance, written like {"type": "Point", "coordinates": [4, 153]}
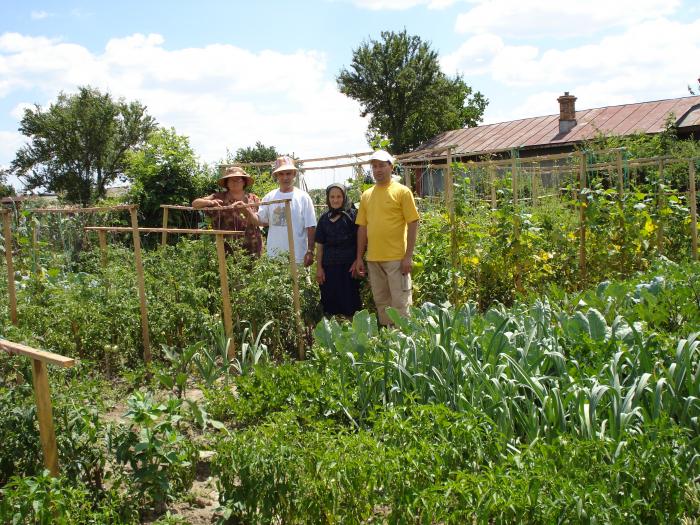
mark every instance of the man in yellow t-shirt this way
{"type": "Point", "coordinates": [388, 226]}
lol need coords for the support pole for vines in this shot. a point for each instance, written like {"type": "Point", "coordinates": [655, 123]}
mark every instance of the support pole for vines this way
{"type": "Point", "coordinates": [582, 219]}
{"type": "Point", "coordinates": [492, 180]}
{"type": "Point", "coordinates": [225, 296]}
{"type": "Point", "coordinates": [102, 238]}
{"type": "Point", "coordinates": [517, 270]}
{"type": "Point", "coordinates": [164, 235]}
{"type": "Point", "coordinates": [693, 210]}
{"type": "Point", "coordinates": [11, 292]}
{"type": "Point", "coordinates": [295, 280]}
{"type": "Point", "coordinates": [514, 178]}
{"type": "Point", "coordinates": [42, 395]}
{"type": "Point", "coordinates": [141, 285]}
{"type": "Point", "coordinates": [450, 198]}
{"type": "Point", "coordinates": [660, 203]}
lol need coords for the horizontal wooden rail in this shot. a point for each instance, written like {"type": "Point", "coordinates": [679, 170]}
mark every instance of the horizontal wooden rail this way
{"type": "Point", "coordinates": [41, 355]}
{"type": "Point", "coordinates": [96, 209]}
{"type": "Point", "coordinates": [194, 231]}
{"type": "Point", "coordinates": [223, 208]}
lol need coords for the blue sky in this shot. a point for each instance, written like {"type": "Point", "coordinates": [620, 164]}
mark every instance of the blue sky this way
{"type": "Point", "coordinates": [230, 73]}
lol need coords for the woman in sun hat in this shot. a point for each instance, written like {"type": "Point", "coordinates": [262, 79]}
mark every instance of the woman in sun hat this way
{"type": "Point", "coordinates": [241, 217]}
{"type": "Point", "coordinates": [336, 241]}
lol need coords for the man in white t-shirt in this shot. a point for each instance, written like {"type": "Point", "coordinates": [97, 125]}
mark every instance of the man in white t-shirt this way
{"type": "Point", "coordinates": [303, 216]}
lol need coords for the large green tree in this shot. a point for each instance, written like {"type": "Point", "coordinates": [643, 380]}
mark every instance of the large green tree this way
{"type": "Point", "coordinates": [78, 145]}
{"type": "Point", "coordinates": [5, 189]}
{"type": "Point", "coordinates": [165, 171]}
{"type": "Point", "coordinates": [399, 84]}
{"type": "Point", "coordinates": [257, 153]}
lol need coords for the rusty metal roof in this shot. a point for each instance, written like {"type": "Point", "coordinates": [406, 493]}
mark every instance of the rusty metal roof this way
{"type": "Point", "coordinates": [642, 117]}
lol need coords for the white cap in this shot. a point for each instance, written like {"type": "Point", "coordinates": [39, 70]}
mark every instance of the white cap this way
{"type": "Point", "coordinates": [382, 155]}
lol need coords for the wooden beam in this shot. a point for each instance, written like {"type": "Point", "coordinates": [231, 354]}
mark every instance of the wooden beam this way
{"type": "Point", "coordinates": [582, 220]}
{"type": "Point", "coordinates": [11, 291]}
{"type": "Point", "coordinates": [295, 280]}
{"type": "Point", "coordinates": [97, 209]}
{"type": "Point", "coordinates": [693, 210]}
{"type": "Point", "coordinates": [225, 296]}
{"type": "Point", "coordinates": [102, 239]}
{"type": "Point", "coordinates": [38, 355]}
{"type": "Point", "coordinates": [164, 238]}
{"type": "Point", "coordinates": [222, 208]}
{"type": "Point", "coordinates": [124, 229]}
{"type": "Point", "coordinates": [44, 414]}
{"type": "Point", "coordinates": [140, 281]}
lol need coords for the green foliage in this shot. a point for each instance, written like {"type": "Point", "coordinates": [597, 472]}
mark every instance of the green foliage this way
{"type": "Point", "coordinates": [20, 452]}
{"type": "Point", "coordinates": [78, 145]}
{"type": "Point", "coordinates": [165, 171]}
{"type": "Point", "coordinates": [161, 460]}
{"type": "Point", "coordinates": [399, 83]}
{"type": "Point", "coordinates": [45, 500]}
{"type": "Point", "coordinates": [257, 153]}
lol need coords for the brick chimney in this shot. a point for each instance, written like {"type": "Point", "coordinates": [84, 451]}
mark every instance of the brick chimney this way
{"type": "Point", "coordinates": [567, 112]}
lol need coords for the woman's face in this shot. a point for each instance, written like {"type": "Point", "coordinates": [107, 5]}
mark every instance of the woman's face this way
{"type": "Point", "coordinates": [235, 183]}
{"type": "Point", "coordinates": [335, 197]}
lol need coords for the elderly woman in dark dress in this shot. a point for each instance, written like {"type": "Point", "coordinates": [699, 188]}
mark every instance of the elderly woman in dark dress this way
{"type": "Point", "coordinates": [235, 182]}
{"type": "Point", "coordinates": [336, 239]}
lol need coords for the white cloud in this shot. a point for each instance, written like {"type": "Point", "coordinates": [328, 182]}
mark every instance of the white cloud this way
{"type": "Point", "coordinates": [645, 62]}
{"type": "Point", "coordinates": [543, 18]}
{"type": "Point", "coordinates": [220, 95]}
{"type": "Point", "coordinates": [401, 5]}
{"type": "Point", "coordinates": [39, 15]}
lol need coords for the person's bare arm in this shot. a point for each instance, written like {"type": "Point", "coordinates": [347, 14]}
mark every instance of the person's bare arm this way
{"type": "Point", "coordinates": [320, 273]}
{"type": "Point", "coordinates": [248, 212]}
{"type": "Point", "coordinates": [412, 234]}
{"type": "Point", "coordinates": [309, 255]}
{"type": "Point", "coordinates": [358, 267]}
{"type": "Point", "coordinates": [207, 202]}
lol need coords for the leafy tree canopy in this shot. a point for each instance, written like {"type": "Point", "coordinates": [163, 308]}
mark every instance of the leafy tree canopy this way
{"type": "Point", "coordinates": [409, 99]}
{"type": "Point", "coordinates": [5, 189]}
{"type": "Point", "coordinates": [165, 171]}
{"type": "Point", "coordinates": [257, 153]}
{"type": "Point", "coordinates": [78, 145]}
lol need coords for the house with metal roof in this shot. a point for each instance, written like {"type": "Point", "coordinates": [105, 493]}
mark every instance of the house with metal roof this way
{"type": "Point", "coordinates": [557, 133]}
{"type": "Point", "coordinates": [560, 133]}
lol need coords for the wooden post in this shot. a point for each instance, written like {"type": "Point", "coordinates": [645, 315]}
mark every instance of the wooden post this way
{"type": "Point", "coordinates": [295, 280]}
{"type": "Point", "coordinates": [535, 181]}
{"type": "Point", "coordinates": [693, 210]}
{"type": "Point", "coordinates": [621, 205]}
{"type": "Point", "coordinates": [42, 396]}
{"type": "Point", "coordinates": [164, 236]}
{"type": "Point", "coordinates": [225, 296]}
{"type": "Point", "coordinates": [11, 292]}
{"type": "Point", "coordinates": [582, 220]}
{"type": "Point", "coordinates": [102, 237]}
{"type": "Point", "coordinates": [141, 285]}
{"type": "Point", "coordinates": [514, 178]}
{"type": "Point", "coordinates": [659, 207]}
{"type": "Point", "coordinates": [450, 198]}
{"type": "Point", "coordinates": [45, 416]}
{"type": "Point", "coordinates": [492, 179]}
{"type": "Point", "coordinates": [407, 178]}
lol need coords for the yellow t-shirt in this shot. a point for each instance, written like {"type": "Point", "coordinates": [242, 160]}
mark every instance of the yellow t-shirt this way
{"type": "Point", "coordinates": [386, 210]}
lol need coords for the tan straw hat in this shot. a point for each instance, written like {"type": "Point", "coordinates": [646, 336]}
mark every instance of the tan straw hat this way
{"type": "Point", "coordinates": [284, 164]}
{"type": "Point", "coordinates": [235, 171]}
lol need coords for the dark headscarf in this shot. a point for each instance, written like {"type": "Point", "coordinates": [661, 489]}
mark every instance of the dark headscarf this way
{"type": "Point", "coordinates": [345, 207]}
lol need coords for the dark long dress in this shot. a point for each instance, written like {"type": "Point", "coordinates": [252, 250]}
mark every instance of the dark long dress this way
{"type": "Point", "coordinates": [340, 293]}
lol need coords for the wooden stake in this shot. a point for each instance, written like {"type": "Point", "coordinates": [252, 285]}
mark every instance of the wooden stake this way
{"type": "Point", "coordinates": [621, 205]}
{"type": "Point", "coordinates": [295, 280]}
{"type": "Point", "coordinates": [45, 416]}
{"type": "Point", "coordinates": [535, 181]}
{"type": "Point", "coordinates": [582, 221]}
{"type": "Point", "coordinates": [660, 202]}
{"type": "Point", "coordinates": [102, 237]}
{"type": "Point", "coordinates": [141, 285]}
{"type": "Point", "coordinates": [225, 296]}
{"type": "Point", "coordinates": [164, 237]}
{"type": "Point", "coordinates": [693, 210]}
{"type": "Point", "coordinates": [11, 292]}
{"type": "Point", "coordinates": [514, 179]}
{"type": "Point", "coordinates": [450, 198]}
{"type": "Point", "coordinates": [492, 179]}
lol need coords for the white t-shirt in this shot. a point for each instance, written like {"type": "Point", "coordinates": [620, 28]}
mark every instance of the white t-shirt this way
{"type": "Point", "coordinates": [303, 217]}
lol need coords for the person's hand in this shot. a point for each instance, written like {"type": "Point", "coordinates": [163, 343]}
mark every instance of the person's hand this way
{"type": "Point", "coordinates": [406, 265]}
{"type": "Point", "coordinates": [308, 258]}
{"type": "Point", "coordinates": [241, 208]}
{"type": "Point", "coordinates": [320, 275]}
{"type": "Point", "coordinates": [216, 203]}
{"type": "Point", "coordinates": [358, 268]}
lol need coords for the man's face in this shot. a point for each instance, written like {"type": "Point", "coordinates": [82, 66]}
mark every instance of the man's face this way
{"type": "Point", "coordinates": [285, 178]}
{"type": "Point", "coordinates": [381, 171]}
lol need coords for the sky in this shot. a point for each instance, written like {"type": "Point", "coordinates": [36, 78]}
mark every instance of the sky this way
{"type": "Point", "coordinates": [230, 73]}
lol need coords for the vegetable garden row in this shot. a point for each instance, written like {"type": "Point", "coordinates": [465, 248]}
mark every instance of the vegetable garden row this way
{"type": "Point", "coordinates": [532, 396]}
